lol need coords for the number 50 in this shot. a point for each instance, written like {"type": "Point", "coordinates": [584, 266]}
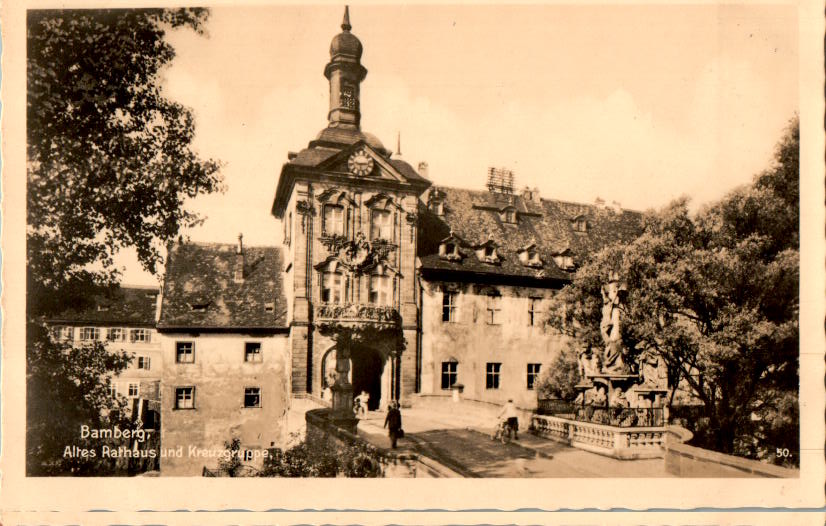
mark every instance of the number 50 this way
{"type": "Point", "coordinates": [783, 452]}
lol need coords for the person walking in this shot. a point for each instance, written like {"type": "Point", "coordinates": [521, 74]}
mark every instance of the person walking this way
{"type": "Point", "coordinates": [393, 423]}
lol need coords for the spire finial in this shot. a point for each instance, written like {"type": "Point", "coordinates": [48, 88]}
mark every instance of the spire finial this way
{"type": "Point", "coordinates": [345, 24]}
{"type": "Point", "coordinates": [398, 143]}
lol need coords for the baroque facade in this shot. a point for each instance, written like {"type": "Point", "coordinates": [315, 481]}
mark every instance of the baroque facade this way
{"type": "Point", "coordinates": [382, 283]}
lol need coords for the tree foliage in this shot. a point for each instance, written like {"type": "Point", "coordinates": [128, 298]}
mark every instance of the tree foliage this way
{"type": "Point", "coordinates": [715, 294]}
{"type": "Point", "coordinates": [110, 162]}
{"type": "Point", "coordinates": [558, 380]}
{"type": "Point", "coordinates": [109, 165]}
{"type": "Point", "coordinates": [322, 459]}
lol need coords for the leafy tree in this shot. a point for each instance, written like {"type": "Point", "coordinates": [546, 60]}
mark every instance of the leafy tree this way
{"type": "Point", "coordinates": [110, 161]}
{"type": "Point", "coordinates": [716, 296]}
{"type": "Point", "coordinates": [109, 165]}
{"type": "Point", "coordinates": [321, 459]}
{"type": "Point", "coordinates": [558, 380]}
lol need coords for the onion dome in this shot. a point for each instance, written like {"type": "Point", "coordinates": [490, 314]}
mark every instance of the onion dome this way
{"type": "Point", "coordinates": [346, 43]}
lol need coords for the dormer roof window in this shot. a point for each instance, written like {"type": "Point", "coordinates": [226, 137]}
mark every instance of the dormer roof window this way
{"type": "Point", "coordinates": [199, 307]}
{"type": "Point", "coordinates": [449, 249]}
{"type": "Point", "coordinates": [508, 215]}
{"type": "Point", "coordinates": [564, 260]}
{"type": "Point", "coordinates": [487, 253]}
{"type": "Point", "coordinates": [580, 223]}
{"type": "Point", "coordinates": [529, 256]}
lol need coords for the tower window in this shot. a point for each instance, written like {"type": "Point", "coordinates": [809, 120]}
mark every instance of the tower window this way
{"type": "Point", "coordinates": [449, 300]}
{"type": "Point", "coordinates": [492, 371]}
{"type": "Point", "coordinates": [449, 374]}
{"type": "Point", "coordinates": [381, 226]}
{"type": "Point", "coordinates": [333, 220]}
{"type": "Point", "coordinates": [331, 287]}
{"type": "Point", "coordinates": [381, 292]}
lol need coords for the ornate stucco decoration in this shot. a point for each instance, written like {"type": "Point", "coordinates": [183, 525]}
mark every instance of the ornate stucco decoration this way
{"type": "Point", "coordinates": [305, 209]}
{"type": "Point", "coordinates": [355, 314]}
{"type": "Point", "coordinates": [357, 254]}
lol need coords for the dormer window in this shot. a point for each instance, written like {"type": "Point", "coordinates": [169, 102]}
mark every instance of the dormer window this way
{"type": "Point", "coordinates": [564, 261]}
{"type": "Point", "coordinates": [529, 256]}
{"type": "Point", "coordinates": [450, 250]}
{"type": "Point", "coordinates": [580, 224]}
{"type": "Point", "coordinates": [438, 208]}
{"type": "Point", "coordinates": [487, 253]}
{"type": "Point", "coordinates": [508, 215]}
{"type": "Point", "coordinates": [269, 307]}
{"type": "Point", "coordinates": [199, 307]}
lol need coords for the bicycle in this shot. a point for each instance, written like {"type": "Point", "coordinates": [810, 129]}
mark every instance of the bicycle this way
{"type": "Point", "coordinates": [502, 432]}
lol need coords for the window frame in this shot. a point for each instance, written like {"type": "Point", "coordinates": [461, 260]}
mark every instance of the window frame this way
{"type": "Point", "coordinates": [137, 390]}
{"type": "Point", "coordinates": [532, 375]}
{"type": "Point", "coordinates": [493, 373]}
{"type": "Point", "coordinates": [94, 330]}
{"type": "Point", "coordinates": [387, 224]}
{"type": "Point", "coordinates": [248, 353]}
{"type": "Point", "coordinates": [493, 306]}
{"type": "Point", "coordinates": [121, 336]}
{"type": "Point", "coordinates": [144, 362]}
{"type": "Point", "coordinates": [534, 310]}
{"type": "Point", "coordinates": [178, 391]}
{"type": "Point", "coordinates": [450, 374]}
{"type": "Point", "coordinates": [334, 289]}
{"type": "Point", "coordinates": [377, 285]}
{"type": "Point", "coordinates": [256, 394]}
{"type": "Point", "coordinates": [330, 220]}
{"type": "Point", "coordinates": [449, 306]}
{"type": "Point", "coordinates": [147, 335]}
{"type": "Point", "coordinates": [178, 345]}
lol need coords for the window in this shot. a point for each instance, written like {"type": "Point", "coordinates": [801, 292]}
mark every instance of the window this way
{"type": "Point", "coordinates": [449, 306]}
{"type": "Point", "coordinates": [63, 332]}
{"type": "Point", "coordinates": [331, 287]}
{"type": "Point", "coordinates": [143, 362]}
{"type": "Point", "coordinates": [449, 374]}
{"type": "Point", "coordinates": [381, 226]}
{"type": "Point", "coordinates": [534, 311]}
{"type": "Point", "coordinates": [252, 397]}
{"type": "Point", "coordinates": [438, 208]}
{"type": "Point", "coordinates": [113, 390]}
{"type": "Point", "coordinates": [134, 390]}
{"type": "Point", "coordinates": [115, 334]}
{"type": "Point", "coordinates": [533, 374]}
{"type": "Point", "coordinates": [581, 224]}
{"type": "Point", "coordinates": [333, 220]}
{"type": "Point", "coordinates": [492, 375]}
{"type": "Point", "coordinates": [509, 216]}
{"type": "Point", "coordinates": [288, 234]}
{"type": "Point", "coordinates": [184, 352]}
{"type": "Point", "coordinates": [89, 333]}
{"type": "Point", "coordinates": [184, 398]}
{"type": "Point", "coordinates": [381, 291]}
{"type": "Point", "coordinates": [252, 352]}
{"type": "Point", "coordinates": [493, 308]}
{"type": "Point", "coordinates": [140, 335]}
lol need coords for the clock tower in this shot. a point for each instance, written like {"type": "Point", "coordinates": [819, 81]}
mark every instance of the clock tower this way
{"type": "Point", "coordinates": [349, 213]}
{"type": "Point", "coordinates": [345, 73]}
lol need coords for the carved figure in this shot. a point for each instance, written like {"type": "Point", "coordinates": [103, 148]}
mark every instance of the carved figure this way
{"type": "Point", "coordinates": [653, 371]}
{"type": "Point", "coordinates": [613, 294]}
{"type": "Point", "coordinates": [588, 364]}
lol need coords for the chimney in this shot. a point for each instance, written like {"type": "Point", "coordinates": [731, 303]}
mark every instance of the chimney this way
{"type": "Point", "coordinates": [531, 194]}
{"type": "Point", "coordinates": [239, 260]}
{"type": "Point", "coordinates": [423, 170]}
{"type": "Point", "coordinates": [535, 195]}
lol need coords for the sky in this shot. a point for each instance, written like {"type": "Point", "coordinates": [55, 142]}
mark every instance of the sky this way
{"type": "Point", "coordinates": [634, 104]}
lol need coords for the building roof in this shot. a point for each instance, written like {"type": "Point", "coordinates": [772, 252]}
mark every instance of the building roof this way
{"type": "Point", "coordinates": [130, 306]}
{"type": "Point", "coordinates": [475, 217]}
{"type": "Point", "coordinates": [200, 290]}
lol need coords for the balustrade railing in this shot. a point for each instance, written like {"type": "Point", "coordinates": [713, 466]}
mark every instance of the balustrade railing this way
{"type": "Point", "coordinates": [621, 442]}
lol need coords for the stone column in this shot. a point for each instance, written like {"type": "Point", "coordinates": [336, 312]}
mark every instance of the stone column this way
{"type": "Point", "coordinates": [342, 413]}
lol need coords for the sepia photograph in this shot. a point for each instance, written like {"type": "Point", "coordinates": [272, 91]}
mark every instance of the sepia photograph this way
{"type": "Point", "coordinates": [551, 241]}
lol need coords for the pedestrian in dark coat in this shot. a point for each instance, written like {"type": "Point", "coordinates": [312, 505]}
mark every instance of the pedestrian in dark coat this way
{"type": "Point", "coordinates": [393, 422]}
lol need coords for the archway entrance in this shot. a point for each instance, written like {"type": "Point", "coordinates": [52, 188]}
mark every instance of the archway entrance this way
{"type": "Point", "coordinates": [366, 373]}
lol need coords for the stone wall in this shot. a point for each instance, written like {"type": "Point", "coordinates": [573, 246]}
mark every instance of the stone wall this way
{"type": "Point", "coordinates": [220, 374]}
{"type": "Point", "coordinates": [688, 461]}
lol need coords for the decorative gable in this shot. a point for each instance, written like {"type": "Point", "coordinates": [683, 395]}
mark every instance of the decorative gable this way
{"type": "Point", "coordinates": [487, 252]}
{"type": "Point", "coordinates": [449, 248]}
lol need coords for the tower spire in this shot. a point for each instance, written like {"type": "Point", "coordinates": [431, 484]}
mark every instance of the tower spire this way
{"type": "Point", "coordinates": [345, 24]}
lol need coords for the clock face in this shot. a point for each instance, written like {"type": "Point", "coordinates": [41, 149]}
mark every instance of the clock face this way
{"type": "Point", "coordinates": [360, 163]}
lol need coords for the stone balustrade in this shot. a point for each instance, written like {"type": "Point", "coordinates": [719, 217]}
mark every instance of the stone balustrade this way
{"type": "Point", "coordinates": [617, 442]}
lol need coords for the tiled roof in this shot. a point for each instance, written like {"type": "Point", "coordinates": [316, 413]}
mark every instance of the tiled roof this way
{"type": "Point", "coordinates": [474, 218]}
{"type": "Point", "coordinates": [133, 306]}
{"type": "Point", "coordinates": [200, 290]}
